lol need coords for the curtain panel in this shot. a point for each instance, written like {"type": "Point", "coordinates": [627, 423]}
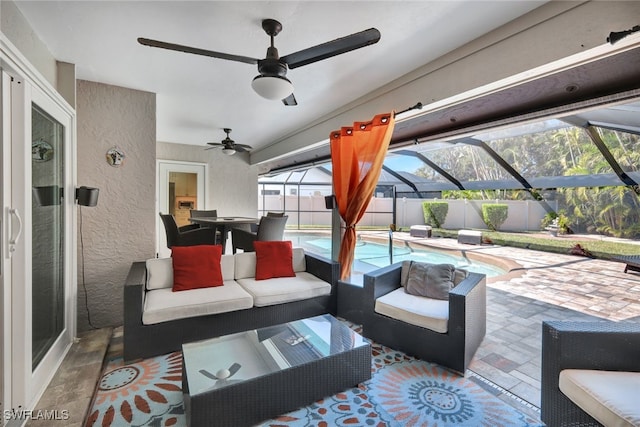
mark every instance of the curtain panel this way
{"type": "Point", "coordinates": [357, 154]}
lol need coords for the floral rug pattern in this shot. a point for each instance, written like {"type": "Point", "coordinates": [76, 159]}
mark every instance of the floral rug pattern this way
{"type": "Point", "coordinates": [403, 391]}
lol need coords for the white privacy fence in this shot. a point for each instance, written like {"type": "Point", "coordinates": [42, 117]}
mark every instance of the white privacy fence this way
{"type": "Point", "coordinates": [304, 211]}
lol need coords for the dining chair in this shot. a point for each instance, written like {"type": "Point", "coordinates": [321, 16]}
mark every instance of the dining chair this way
{"type": "Point", "coordinates": [254, 227]}
{"type": "Point", "coordinates": [191, 237]}
{"type": "Point", "coordinates": [269, 228]}
{"type": "Point", "coordinates": [194, 213]}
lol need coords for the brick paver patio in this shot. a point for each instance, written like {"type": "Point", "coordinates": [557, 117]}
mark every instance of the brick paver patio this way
{"type": "Point", "coordinates": [545, 286]}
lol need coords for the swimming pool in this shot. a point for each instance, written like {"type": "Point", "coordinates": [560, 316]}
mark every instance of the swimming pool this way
{"type": "Point", "coordinates": [377, 255]}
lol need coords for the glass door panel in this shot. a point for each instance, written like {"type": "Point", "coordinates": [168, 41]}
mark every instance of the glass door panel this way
{"type": "Point", "coordinates": [183, 196]}
{"type": "Point", "coordinates": [48, 219]}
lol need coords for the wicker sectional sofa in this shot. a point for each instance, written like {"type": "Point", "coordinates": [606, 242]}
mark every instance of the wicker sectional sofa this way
{"type": "Point", "coordinates": [158, 321]}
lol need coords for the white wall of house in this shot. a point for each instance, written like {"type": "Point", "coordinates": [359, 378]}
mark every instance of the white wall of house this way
{"type": "Point", "coordinates": [232, 186]}
{"type": "Point", "coordinates": [121, 228]}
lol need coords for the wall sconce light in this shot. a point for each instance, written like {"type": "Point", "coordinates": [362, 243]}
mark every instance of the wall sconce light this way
{"type": "Point", "coordinates": [87, 196]}
{"type": "Point", "coordinates": [330, 202]}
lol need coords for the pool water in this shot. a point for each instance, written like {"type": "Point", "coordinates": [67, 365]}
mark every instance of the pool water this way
{"type": "Point", "coordinates": [377, 255]}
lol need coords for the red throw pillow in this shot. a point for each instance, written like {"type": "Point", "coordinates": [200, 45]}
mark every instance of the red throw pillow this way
{"type": "Point", "coordinates": [274, 259]}
{"type": "Point", "coordinates": [196, 267]}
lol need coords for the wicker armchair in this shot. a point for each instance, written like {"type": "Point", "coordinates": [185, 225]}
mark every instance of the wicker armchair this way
{"type": "Point", "coordinates": [453, 349]}
{"type": "Point", "coordinates": [269, 228]}
{"type": "Point", "coordinates": [602, 345]}
{"type": "Point", "coordinates": [190, 237]}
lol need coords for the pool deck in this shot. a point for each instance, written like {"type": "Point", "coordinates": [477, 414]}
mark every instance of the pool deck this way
{"type": "Point", "coordinates": [541, 286]}
{"type": "Point", "coordinates": [546, 286]}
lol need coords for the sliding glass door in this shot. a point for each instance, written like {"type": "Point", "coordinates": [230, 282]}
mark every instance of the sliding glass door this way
{"type": "Point", "coordinates": [38, 238]}
{"type": "Point", "coordinates": [47, 223]}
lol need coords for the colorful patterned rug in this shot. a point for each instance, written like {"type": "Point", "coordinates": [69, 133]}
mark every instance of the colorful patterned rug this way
{"type": "Point", "coordinates": [403, 391]}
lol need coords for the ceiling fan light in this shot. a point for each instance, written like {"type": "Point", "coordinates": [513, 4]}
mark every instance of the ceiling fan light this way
{"type": "Point", "coordinates": [272, 87]}
{"type": "Point", "coordinates": [228, 151]}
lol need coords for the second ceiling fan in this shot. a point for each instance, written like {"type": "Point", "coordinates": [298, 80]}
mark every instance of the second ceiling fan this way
{"type": "Point", "coordinates": [272, 83]}
{"type": "Point", "coordinates": [228, 145]}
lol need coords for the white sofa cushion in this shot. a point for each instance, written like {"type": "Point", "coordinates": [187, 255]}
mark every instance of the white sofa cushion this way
{"type": "Point", "coordinates": [227, 264]}
{"type": "Point", "coordinates": [608, 396]}
{"type": "Point", "coordinates": [284, 289]}
{"type": "Point", "coordinates": [419, 311]}
{"type": "Point", "coordinates": [245, 263]}
{"type": "Point", "coordinates": [160, 271]}
{"type": "Point", "coordinates": [162, 305]}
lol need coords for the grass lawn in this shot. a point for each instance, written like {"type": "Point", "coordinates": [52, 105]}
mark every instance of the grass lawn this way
{"type": "Point", "coordinates": [538, 241]}
{"type": "Point", "coordinates": [562, 244]}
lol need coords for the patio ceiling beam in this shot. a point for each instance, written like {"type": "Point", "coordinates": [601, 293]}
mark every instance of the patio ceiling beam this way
{"type": "Point", "coordinates": [618, 128]}
{"type": "Point", "coordinates": [506, 166]}
{"type": "Point", "coordinates": [446, 175]}
{"type": "Point", "coordinates": [403, 179]}
{"type": "Point", "coordinates": [324, 170]}
{"type": "Point", "coordinates": [592, 131]}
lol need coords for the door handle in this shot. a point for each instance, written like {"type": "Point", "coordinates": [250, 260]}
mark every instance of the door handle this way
{"type": "Point", "coordinates": [14, 239]}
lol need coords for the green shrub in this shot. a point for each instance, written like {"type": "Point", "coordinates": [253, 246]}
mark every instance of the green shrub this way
{"type": "Point", "coordinates": [435, 213]}
{"type": "Point", "coordinates": [563, 221]}
{"type": "Point", "coordinates": [548, 220]}
{"type": "Point", "coordinates": [494, 214]}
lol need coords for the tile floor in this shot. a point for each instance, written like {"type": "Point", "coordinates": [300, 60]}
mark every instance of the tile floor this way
{"type": "Point", "coordinates": [72, 388]}
{"type": "Point", "coordinates": [549, 286]}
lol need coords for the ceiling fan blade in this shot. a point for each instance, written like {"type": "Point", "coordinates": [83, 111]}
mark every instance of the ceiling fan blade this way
{"type": "Point", "coordinates": [216, 144]}
{"type": "Point", "coordinates": [243, 146]}
{"type": "Point", "coordinates": [332, 48]}
{"type": "Point", "coordinates": [290, 101]}
{"type": "Point", "coordinates": [196, 51]}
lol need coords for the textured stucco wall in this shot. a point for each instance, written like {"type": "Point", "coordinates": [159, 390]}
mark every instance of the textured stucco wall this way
{"type": "Point", "coordinates": [121, 229]}
{"type": "Point", "coordinates": [232, 186]}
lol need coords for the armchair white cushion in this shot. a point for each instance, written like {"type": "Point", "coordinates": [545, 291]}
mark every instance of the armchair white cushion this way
{"type": "Point", "coordinates": [611, 397]}
{"type": "Point", "coordinates": [420, 311]}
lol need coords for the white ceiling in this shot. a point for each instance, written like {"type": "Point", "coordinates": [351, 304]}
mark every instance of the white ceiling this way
{"type": "Point", "coordinates": [198, 96]}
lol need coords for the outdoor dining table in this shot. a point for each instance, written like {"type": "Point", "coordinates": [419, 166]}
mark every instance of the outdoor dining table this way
{"type": "Point", "coordinates": [223, 224]}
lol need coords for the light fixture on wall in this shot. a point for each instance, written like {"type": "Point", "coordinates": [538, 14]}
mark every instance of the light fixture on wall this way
{"type": "Point", "coordinates": [229, 151]}
{"type": "Point", "coordinates": [87, 196]}
{"type": "Point", "coordinates": [330, 202]}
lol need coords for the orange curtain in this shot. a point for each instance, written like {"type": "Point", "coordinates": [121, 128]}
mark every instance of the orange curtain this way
{"type": "Point", "coordinates": [357, 154]}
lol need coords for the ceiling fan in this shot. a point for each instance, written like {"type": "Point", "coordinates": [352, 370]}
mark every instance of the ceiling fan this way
{"type": "Point", "coordinates": [272, 83]}
{"type": "Point", "coordinates": [228, 145]}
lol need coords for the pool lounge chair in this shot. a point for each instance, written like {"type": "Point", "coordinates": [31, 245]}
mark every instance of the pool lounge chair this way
{"type": "Point", "coordinates": [632, 262]}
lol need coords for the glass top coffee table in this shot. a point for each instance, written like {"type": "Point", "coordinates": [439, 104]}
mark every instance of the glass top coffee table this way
{"type": "Point", "coordinates": [248, 377]}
